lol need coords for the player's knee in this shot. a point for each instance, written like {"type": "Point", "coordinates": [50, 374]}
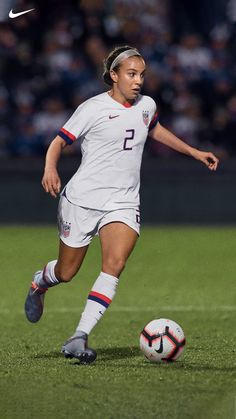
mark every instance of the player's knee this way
{"type": "Point", "coordinates": [64, 275]}
{"type": "Point", "coordinates": [114, 265]}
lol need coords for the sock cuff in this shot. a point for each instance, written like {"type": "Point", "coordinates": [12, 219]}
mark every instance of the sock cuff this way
{"type": "Point", "coordinates": [104, 289]}
{"type": "Point", "coordinates": [108, 276]}
{"type": "Point", "coordinates": [49, 276]}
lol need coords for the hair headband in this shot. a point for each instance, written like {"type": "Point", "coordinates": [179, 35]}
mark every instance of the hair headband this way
{"type": "Point", "coordinates": [123, 55]}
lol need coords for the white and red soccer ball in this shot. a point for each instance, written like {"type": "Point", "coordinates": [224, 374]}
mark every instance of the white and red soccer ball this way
{"type": "Point", "coordinates": [162, 340]}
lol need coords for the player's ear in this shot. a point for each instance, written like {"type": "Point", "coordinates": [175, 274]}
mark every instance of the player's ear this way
{"type": "Point", "coordinates": [114, 76]}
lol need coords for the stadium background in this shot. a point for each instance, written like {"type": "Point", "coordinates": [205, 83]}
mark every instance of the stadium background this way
{"type": "Point", "coordinates": [51, 62]}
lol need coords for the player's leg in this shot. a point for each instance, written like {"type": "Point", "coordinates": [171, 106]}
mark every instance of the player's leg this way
{"type": "Point", "coordinates": [69, 261]}
{"type": "Point", "coordinates": [75, 236]}
{"type": "Point", "coordinates": [61, 270]}
{"type": "Point", "coordinates": [117, 242]}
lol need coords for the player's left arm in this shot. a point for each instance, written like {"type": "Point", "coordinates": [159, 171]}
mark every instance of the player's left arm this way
{"type": "Point", "coordinates": [164, 136]}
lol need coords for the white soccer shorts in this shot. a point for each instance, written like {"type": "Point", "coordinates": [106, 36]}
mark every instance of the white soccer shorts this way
{"type": "Point", "coordinates": [78, 225]}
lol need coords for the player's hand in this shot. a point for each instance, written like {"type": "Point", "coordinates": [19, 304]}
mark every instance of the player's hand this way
{"type": "Point", "coordinates": [51, 182]}
{"type": "Point", "coordinates": [208, 158]}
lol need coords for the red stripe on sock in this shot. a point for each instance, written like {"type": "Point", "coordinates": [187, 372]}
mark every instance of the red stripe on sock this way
{"type": "Point", "coordinates": [103, 297]}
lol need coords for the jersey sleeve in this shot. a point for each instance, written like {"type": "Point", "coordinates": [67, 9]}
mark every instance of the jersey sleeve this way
{"type": "Point", "coordinates": [154, 119]}
{"type": "Point", "coordinates": [79, 123]}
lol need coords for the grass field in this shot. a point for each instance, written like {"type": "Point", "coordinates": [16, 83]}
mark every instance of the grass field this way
{"type": "Point", "coordinates": [186, 274]}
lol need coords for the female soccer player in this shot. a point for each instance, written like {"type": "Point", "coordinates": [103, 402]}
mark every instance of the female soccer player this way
{"type": "Point", "coordinates": [103, 195]}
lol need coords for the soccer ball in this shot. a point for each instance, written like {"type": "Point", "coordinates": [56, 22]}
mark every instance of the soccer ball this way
{"type": "Point", "coordinates": [162, 340]}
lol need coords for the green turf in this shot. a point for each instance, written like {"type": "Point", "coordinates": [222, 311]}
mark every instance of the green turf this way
{"type": "Point", "coordinates": [186, 274]}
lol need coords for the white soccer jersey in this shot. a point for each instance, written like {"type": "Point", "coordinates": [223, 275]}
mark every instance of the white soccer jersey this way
{"type": "Point", "coordinates": [112, 140]}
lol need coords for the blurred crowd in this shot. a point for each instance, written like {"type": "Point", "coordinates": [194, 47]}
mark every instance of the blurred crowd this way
{"type": "Point", "coordinates": [51, 61]}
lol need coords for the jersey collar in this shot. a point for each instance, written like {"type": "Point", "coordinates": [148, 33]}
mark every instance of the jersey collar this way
{"type": "Point", "coordinates": [126, 104]}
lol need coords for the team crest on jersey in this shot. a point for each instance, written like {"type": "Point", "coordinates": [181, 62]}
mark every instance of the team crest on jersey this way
{"type": "Point", "coordinates": [146, 117]}
{"type": "Point", "coordinates": [66, 229]}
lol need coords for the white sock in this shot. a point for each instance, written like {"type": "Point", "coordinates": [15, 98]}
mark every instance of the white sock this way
{"type": "Point", "coordinates": [99, 299]}
{"type": "Point", "coordinates": [46, 278]}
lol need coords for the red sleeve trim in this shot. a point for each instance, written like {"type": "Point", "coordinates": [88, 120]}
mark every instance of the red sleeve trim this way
{"type": "Point", "coordinates": [71, 136]}
{"type": "Point", "coordinates": [67, 136]}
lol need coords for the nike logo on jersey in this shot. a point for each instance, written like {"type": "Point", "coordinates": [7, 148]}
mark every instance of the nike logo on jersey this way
{"type": "Point", "coordinates": [13, 15]}
{"type": "Point", "coordinates": [114, 116]}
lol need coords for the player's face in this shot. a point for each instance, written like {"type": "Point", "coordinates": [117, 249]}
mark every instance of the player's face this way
{"type": "Point", "coordinates": [128, 80]}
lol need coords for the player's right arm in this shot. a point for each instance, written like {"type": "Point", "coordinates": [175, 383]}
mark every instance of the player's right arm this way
{"type": "Point", "coordinates": [51, 181]}
{"type": "Point", "coordinates": [76, 127]}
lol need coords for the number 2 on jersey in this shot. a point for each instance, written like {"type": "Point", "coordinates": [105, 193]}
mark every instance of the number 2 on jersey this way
{"type": "Point", "coordinates": [131, 137]}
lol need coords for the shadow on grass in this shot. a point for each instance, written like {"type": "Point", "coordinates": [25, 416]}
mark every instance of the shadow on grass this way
{"type": "Point", "coordinates": [112, 354]}
{"type": "Point", "coordinates": [104, 354]}
{"type": "Point", "coordinates": [109, 354]}
{"type": "Point", "coordinates": [131, 352]}
{"type": "Point", "coordinates": [48, 355]}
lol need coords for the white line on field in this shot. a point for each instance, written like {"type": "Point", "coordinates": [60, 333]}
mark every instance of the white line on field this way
{"type": "Point", "coordinates": [151, 309]}
{"type": "Point", "coordinates": [133, 309]}
{"type": "Point", "coordinates": [175, 308]}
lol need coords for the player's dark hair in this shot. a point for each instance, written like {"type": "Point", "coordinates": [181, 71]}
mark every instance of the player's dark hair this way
{"type": "Point", "coordinates": [109, 60]}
